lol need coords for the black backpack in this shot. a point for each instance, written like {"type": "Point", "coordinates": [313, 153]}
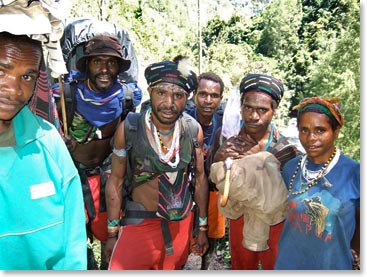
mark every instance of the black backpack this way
{"type": "Point", "coordinates": [76, 34]}
{"type": "Point", "coordinates": [79, 31]}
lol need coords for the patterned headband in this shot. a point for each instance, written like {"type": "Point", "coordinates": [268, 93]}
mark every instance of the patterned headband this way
{"type": "Point", "coordinates": [262, 83]}
{"type": "Point", "coordinates": [177, 73]}
{"type": "Point", "coordinates": [328, 106]}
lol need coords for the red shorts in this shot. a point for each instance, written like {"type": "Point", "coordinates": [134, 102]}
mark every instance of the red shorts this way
{"type": "Point", "coordinates": [99, 223]}
{"type": "Point", "coordinates": [141, 246]}
{"type": "Point", "coordinates": [244, 259]}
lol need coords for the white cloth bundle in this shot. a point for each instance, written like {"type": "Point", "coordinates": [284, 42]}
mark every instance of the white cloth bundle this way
{"type": "Point", "coordinates": [257, 192]}
{"type": "Point", "coordinates": [42, 20]}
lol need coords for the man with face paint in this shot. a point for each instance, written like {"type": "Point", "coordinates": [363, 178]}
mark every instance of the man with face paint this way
{"type": "Point", "coordinates": [97, 114]}
{"type": "Point", "coordinates": [158, 220]}
{"type": "Point", "coordinates": [41, 202]}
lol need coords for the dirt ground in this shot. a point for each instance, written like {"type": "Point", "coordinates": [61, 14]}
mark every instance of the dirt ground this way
{"type": "Point", "coordinates": [217, 263]}
{"type": "Point", "coordinates": [220, 259]}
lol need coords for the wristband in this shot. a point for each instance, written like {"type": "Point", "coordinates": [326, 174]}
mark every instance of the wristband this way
{"type": "Point", "coordinates": [113, 222]}
{"type": "Point", "coordinates": [121, 153]}
{"type": "Point", "coordinates": [203, 221]}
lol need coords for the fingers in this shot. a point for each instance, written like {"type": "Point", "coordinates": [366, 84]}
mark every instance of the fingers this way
{"type": "Point", "coordinates": [107, 255]}
{"type": "Point", "coordinates": [200, 246]}
{"type": "Point", "coordinates": [356, 263]}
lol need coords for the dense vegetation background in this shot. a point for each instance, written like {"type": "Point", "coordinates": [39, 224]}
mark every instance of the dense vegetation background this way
{"type": "Point", "coordinates": [312, 45]}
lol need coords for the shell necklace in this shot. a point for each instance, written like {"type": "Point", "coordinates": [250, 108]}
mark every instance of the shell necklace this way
{"type": "Point", "coordinates": [173, 150]}
{"type": "Point", "coordinates": [313, 181]}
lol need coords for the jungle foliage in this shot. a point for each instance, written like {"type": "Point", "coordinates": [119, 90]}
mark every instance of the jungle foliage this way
{"type": "Point", "coordinates": [312, 45]}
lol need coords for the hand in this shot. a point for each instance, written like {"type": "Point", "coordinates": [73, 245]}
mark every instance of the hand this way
{"type": "Point", "coordinates": [235, 147]}
{"type": "Point", "coordinates": [110, 244]}
{"type": "Point", "coordinates": [356, 261]}
{"type": "Point", "coordinates": [201, 244]}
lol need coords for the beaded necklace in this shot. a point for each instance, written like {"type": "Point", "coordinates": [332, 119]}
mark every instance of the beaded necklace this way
{"type": "Point", "coordinates": [174, 151]}
{"type": "Point", "coordinates": [314, 181]}
{"type": "Point", "coordinates": [160, 133]}
{"type": "Point", "coordinates": [161, 142]}
{"type": "Point", "coordinates": [166, 133]}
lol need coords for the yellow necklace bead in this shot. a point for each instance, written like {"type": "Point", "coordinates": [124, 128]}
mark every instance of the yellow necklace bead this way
{"type": "Point", "coordinates": [161, 142]}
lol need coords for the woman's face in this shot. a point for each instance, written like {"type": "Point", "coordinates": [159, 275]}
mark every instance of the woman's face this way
{"type": "Point", "coordinates": [317, 136]}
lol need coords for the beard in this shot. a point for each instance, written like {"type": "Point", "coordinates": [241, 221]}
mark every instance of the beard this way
{"type": "Point", "coordinates": [163, 120]}
{"type": "Point", "coordinates": [102, 87]}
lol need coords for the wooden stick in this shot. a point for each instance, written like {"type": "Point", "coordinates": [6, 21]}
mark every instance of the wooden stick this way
{"type": "Point", "coordinates": [224, 198]}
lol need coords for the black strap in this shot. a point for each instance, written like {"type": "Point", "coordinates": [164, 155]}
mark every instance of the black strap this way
{"type": "Point", "coordinates": [195, 226]}
{"type": "Point", "coordinates": [131, 128]}
{"type": "Point", "coordinates": [102, 193]}
{"type": "Point", "coordinates": [167, 237]}
{"type": "Point", "coordinates": [87, 194]}
{"type": "Point", "coordinates": [84, 173]}
{"type": "Point", "coordinates": [164, 226]}
{"type": "Point", "coordinates": [128, 101]}
{"type": "Point", "coordinates": [69, 89]}
{"type": "Point", "coordinates": [140, 214]}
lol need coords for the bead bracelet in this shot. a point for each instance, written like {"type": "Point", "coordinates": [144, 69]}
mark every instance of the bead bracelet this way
{"type": "Point", "coordinates": [203, 221]}
{"type": "Point", "coordinates": [114, 229]}
{"type": "Point", "coordinates": [113, 222]}
{"type": "Point", "coordinates": [203, 228]}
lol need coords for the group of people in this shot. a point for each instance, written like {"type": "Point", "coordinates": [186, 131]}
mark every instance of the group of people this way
{"type": "Point", "coordinates": [153, 170]}
{"type": "Point", "coordinates": [98, 112]}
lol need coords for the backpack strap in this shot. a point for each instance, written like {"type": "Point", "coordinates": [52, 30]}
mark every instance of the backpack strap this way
{"type": "Point", "coordinates": [131, 129]}
{"type": "Point", "coordinates": [193, 131]}
{"type": "Point", "coordinates": [128, 104]}
{"type": "Point", "coordinates": [70, 89]}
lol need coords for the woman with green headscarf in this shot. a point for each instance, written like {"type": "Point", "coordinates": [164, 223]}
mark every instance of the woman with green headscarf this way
{"type": "Point", "coordinates": [322, 226]}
